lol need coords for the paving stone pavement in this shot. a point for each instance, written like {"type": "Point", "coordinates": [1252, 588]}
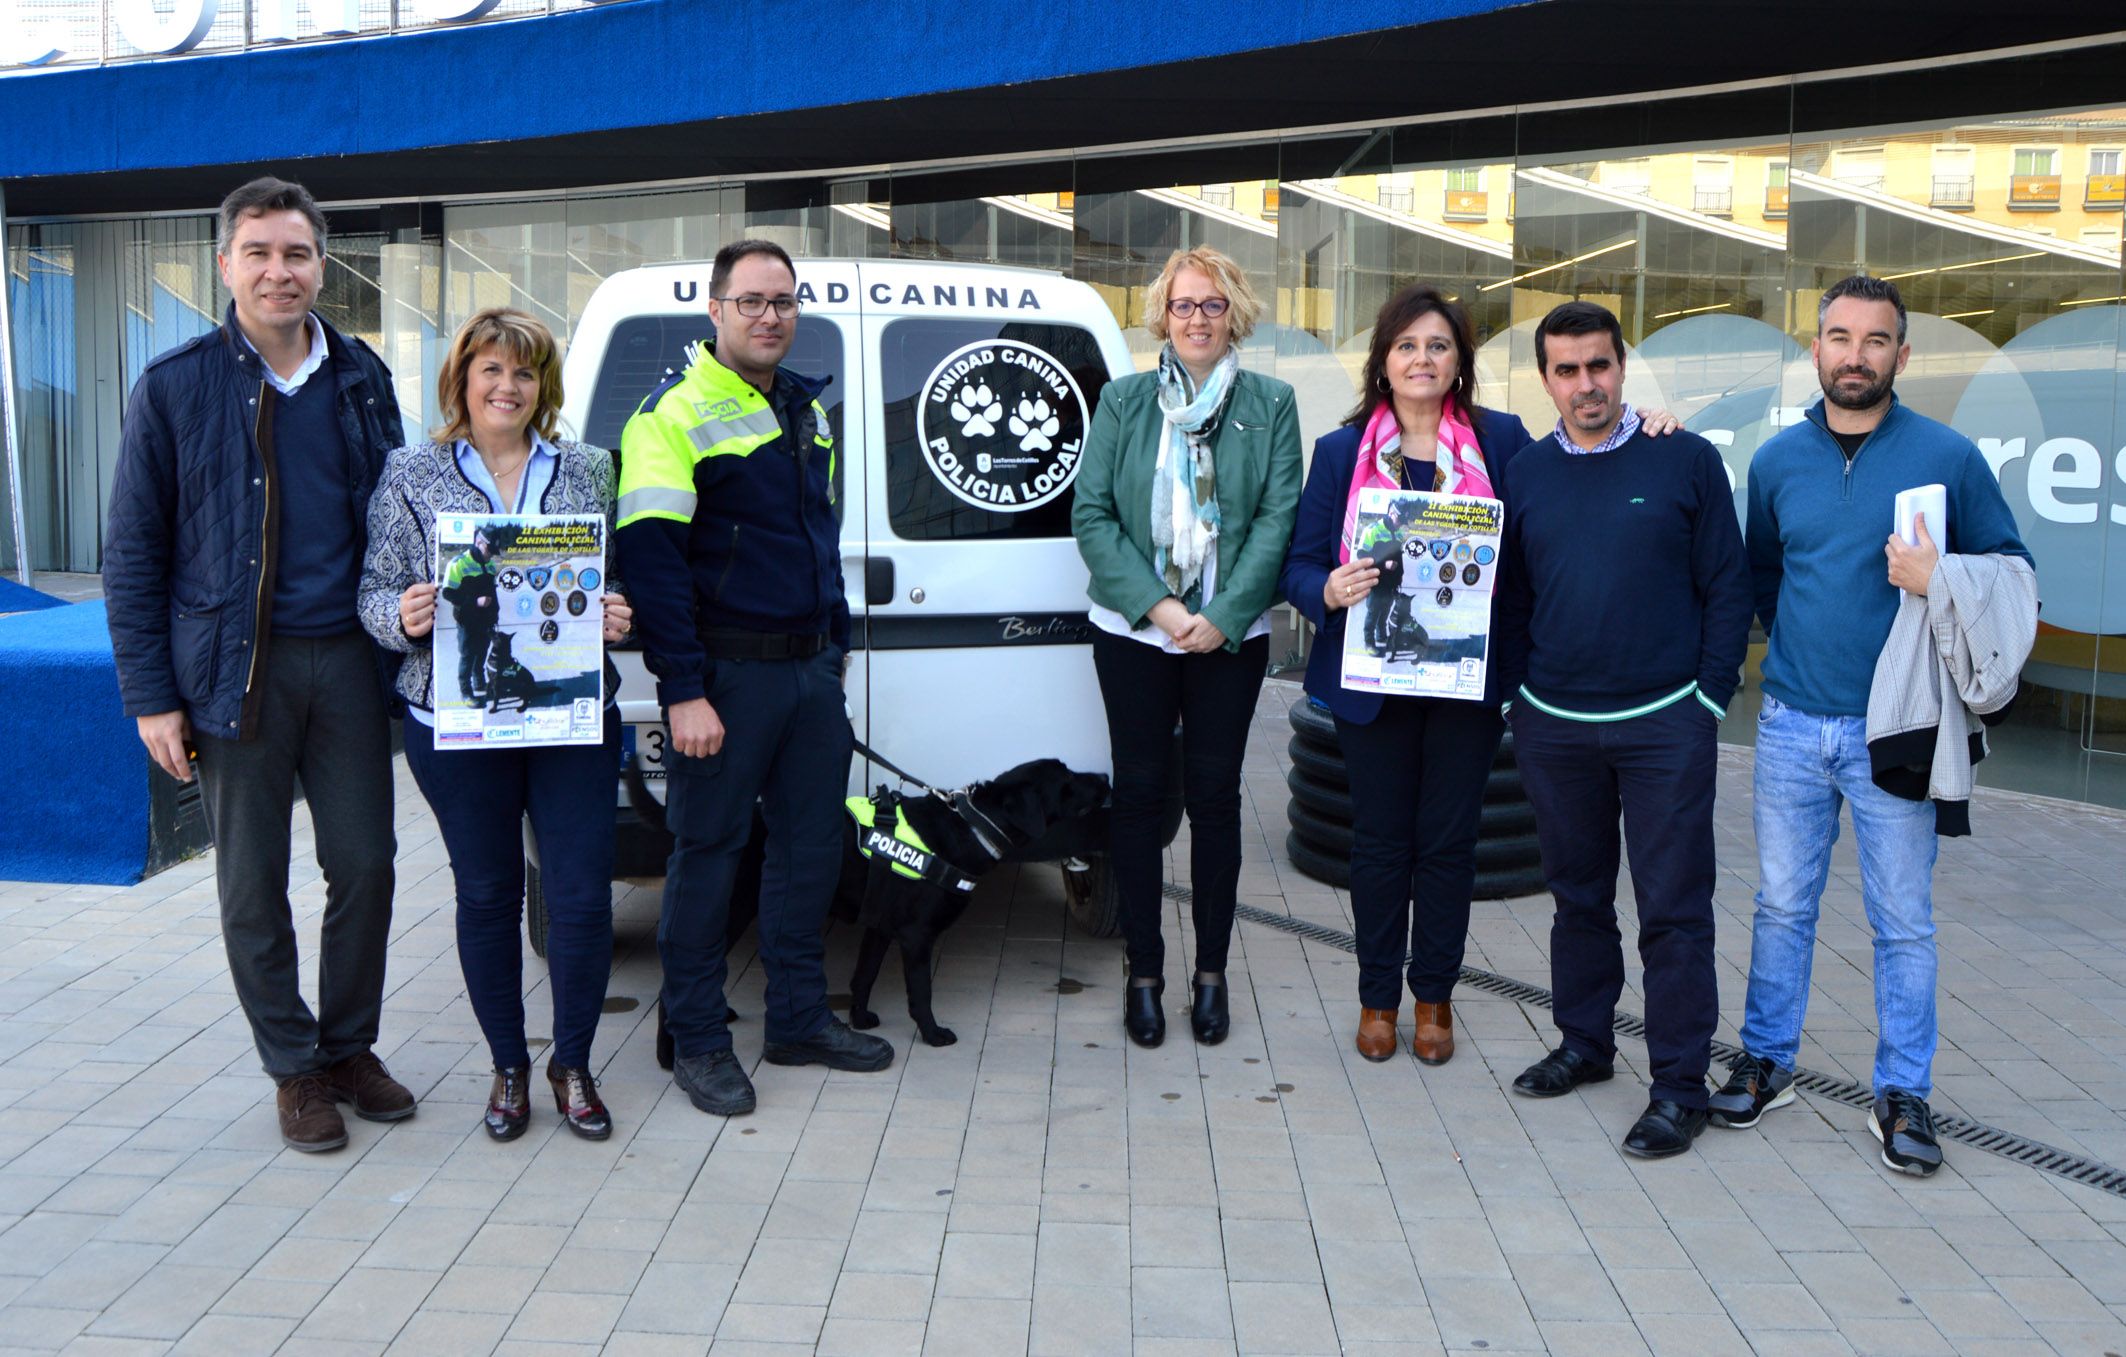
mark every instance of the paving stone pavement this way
{"type": "Point", "coordinates": [1044, 1187]}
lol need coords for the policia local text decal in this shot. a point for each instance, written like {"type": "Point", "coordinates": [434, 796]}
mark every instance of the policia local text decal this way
{"type": "Point", "coordinates": [1002, 424]}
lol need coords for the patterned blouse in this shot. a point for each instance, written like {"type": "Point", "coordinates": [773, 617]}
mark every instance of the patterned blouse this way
{"type": "Point", "coordinates": [424, 480]}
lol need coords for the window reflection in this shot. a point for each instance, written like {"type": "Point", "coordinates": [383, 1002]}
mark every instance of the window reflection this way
{"type": "Point", "coordinates": [2004, 235]}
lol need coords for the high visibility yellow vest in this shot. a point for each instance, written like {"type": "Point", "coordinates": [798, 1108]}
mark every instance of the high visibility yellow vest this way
{"type": "Point", "coordinates": [708, 411]}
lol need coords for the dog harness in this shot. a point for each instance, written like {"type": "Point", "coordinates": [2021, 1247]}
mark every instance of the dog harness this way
{"type": "Point", "coordinates": [884, 837]}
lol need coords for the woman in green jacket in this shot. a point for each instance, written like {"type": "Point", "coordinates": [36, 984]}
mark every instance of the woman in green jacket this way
{"type": "Point", "coordinates": [1185, 499]}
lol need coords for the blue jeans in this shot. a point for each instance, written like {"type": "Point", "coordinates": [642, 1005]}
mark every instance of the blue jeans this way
{"type": "Point", "coordinates": [480, 798]}
{"type": "Point", "coordinates": [1807, 766]}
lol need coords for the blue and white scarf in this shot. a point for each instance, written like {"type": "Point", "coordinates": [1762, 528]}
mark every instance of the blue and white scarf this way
{"type": "Point", "coordinates": [1185, 484]}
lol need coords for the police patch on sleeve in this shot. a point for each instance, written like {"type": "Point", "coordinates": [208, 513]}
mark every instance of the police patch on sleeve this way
{"type": "Point", "coordinates": [1002, 424]}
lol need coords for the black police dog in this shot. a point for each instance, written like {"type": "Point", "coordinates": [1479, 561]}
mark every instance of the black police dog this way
{"type": "Point", "coordinates": [1014, 809]}
{"type": "Point", "coordinates": [509, 683]}
{"type": "Point", "coordinates": [989, 822]}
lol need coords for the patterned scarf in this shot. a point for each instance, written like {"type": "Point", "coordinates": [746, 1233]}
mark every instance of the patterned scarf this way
{"type": "Point", "coordinates": [1185, 484]}
{"type": "Point", "coordinates": [1459, 468]}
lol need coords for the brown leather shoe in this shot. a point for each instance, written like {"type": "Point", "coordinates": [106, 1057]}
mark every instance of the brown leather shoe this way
{"type": "Point", "coordinates": [363, 1081]}
{"type": "Point", "coordinates": [1376, 1033]}
{"type": "Point", "coordinates": [1433, 1042]}
{"type": "Point", "coordinates": [309, 1121]}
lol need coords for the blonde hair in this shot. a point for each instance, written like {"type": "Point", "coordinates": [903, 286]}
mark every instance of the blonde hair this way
{"type": "Point", "coordinates": [1231, 283]}
{"type": "Point", "coordinates": [526, 341]}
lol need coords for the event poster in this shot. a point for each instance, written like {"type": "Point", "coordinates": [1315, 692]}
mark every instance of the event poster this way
{"type": "Point", "coordinates": [519, 630]}
{"type": "Point", "coordinates": [1425, 628]}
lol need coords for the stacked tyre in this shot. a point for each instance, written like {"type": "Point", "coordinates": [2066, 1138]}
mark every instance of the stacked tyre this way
{"type": "Point", "coordinates": [1508, 862]}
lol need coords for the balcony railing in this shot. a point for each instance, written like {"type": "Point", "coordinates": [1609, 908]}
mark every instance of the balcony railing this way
{"type": "Point", "coordinates": [1775, 201]}
{"type": "Point", "coordinates": [1956, 193]}
{"type": "Point", "coordinates": [2034, 193]}
{"type": "Point", "coordinates": [2106, 192]}
{"type": "Point", "coordinates": [1714, 202]}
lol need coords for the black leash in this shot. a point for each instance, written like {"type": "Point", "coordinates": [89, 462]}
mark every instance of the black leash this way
{"type": "Point", "coordinates": [903, 774]}
{"type": "Point", "coordinates": [986, 830]}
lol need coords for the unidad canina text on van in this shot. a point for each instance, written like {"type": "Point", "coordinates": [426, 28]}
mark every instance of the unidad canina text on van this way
{"type": "Point", "coordinates": [881, 294]}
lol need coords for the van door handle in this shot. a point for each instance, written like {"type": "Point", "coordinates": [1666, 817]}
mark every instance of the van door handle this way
{"type": "Point", "coordinates": [878, 580]}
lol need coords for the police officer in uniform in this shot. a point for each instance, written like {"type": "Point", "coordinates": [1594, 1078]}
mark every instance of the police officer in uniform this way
{"type": "Point", "coordinates": [469, 587]}
{"type": "Point", "coordinates": [1381, 540]}
{"type": "Point", "coordinates": [729, 537]}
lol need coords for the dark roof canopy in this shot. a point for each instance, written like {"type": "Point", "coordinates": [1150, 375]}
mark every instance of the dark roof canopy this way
{"type": "Point", "coordinates": [1500, 55]}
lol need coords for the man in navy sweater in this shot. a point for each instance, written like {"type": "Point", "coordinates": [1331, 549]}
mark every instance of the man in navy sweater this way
{"type": "Point", "coordinates": [1624, 613]}
{"type": "Point", "coordinates": [1822, 498]}
{"type": "Point", "coordinates": [237, 523]}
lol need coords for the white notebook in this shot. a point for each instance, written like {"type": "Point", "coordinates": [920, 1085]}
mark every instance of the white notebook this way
{"type": "Point", "coordinates": [1931, 500]}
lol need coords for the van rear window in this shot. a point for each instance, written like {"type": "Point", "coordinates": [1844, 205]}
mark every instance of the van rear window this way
{"type": "Point", "coordinates": [644, 348]}
{"type": "Point", "coordinates": [985, 420]}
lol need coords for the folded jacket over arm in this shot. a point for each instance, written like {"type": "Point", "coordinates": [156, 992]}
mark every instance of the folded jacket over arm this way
{"type": "Point", "coordinates": [1955, 654]}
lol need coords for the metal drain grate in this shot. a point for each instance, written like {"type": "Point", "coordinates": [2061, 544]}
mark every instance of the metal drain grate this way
{"type": "Point", "coordinates": [2023, 1150]}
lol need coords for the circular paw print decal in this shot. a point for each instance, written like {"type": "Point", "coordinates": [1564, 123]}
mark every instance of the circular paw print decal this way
{"type": "Point", "coordinates": [1001, 423]}
{"type": "Point", "coordinates": [977, 409]}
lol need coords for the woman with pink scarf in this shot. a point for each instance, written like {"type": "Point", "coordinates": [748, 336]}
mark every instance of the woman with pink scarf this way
{"type": "Point", "coordinates": [1417, 765]}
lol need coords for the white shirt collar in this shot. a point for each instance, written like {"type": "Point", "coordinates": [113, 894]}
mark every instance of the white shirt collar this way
{"type": "Point", "coordinates": [288, 386]}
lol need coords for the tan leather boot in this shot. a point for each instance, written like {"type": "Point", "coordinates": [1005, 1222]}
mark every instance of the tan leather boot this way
{"type": "Point", "coordinates": [1433, 1041]}
{"type": "Point", "coordinates": [1376, 1033]}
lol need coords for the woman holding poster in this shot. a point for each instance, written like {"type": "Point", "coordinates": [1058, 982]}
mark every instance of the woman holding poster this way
{"type": "Point", "coordinates": [1417, 764]}
{"type": "Point", "coordinates": [1184, 504]}
{"type": "Point", "coordinates": [497, 454]}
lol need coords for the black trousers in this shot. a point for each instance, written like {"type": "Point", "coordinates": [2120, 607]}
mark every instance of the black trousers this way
{"type": "Point", "coordinates": [476, 631]}
{"type": "Point", "coordinates": [1380, 604]}
{"type": "Point", "coordinates": [1417, 797]}
{"type": "Point", "coordinates": [321, 717]}
{"type": "Point", "coordinates": [1213, 696]}
{"type": "Point", "coordinates": [786, 745]}
{"type": "Point", "coordinates": [1659, 769]}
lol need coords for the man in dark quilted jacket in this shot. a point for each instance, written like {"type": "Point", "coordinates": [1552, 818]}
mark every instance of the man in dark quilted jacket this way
{"type": "Point", "coordinates": [232, 552]}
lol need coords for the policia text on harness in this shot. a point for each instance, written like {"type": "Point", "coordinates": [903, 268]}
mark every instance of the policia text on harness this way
{"type": "Point", "coordinates": [886, 838]}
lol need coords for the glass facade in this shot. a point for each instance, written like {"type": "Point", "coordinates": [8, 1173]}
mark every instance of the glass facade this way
{"type": "Point", "coordinates": [2003, 232]}
{"type": "Point", "coordinates": [80, 32]}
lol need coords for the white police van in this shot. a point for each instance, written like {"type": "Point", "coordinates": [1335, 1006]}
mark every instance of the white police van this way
{"type": "Point", "coordinates": [960, 399]}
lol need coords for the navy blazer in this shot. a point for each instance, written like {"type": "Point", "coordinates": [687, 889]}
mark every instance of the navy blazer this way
{"type": "Point", "coordinates": [1312, 555]}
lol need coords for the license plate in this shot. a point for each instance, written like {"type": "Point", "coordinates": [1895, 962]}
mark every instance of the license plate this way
{"type": "Point", "coordinates": [643, 745]}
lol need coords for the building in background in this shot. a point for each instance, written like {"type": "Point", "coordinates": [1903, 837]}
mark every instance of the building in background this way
{"type": "Point", "coordinates": [1705, 171]}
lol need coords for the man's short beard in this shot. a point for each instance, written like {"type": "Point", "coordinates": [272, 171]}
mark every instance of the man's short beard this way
{"type": "Point", "coordinates": [1867, 398]}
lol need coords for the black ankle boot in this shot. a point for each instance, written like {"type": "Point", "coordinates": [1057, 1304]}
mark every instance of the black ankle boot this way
{"type": "Point", "coordinates": [1208, 1015]}
{"type": "Point", "coordinates": [1142, 1016]}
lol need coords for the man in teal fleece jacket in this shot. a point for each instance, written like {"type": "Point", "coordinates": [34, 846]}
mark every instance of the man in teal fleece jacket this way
{"type": "Point", "coordinates": [1822, 498]}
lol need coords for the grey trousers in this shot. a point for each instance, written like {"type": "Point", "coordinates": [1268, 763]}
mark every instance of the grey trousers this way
{"type": "Point", "coordinates": [322, 718]}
